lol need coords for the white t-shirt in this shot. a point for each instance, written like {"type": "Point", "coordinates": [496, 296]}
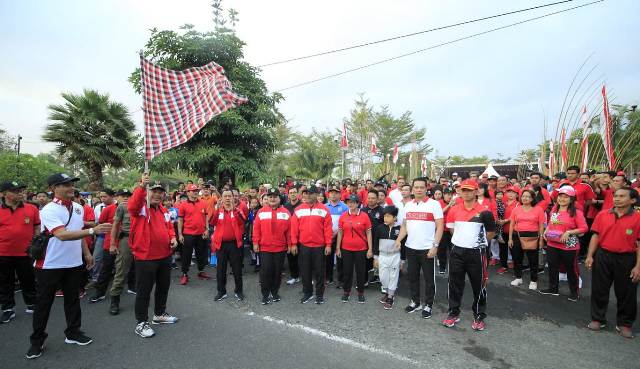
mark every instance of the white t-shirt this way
{"type": "Point", "coordinates": [421, 225]}
{"type": "Point", "coordinates": [61, 254]}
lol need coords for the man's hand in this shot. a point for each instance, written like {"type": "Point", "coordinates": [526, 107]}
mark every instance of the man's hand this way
{"type": "Point", "coordinates": [397, 245]}
{"type": "Point", "coordinates": [376, 264]}
{"type": "Point", "coordinates": [293, 250]}
{"type": "Point", "coordinates": [588, 262]}
{"type": "Point", "coordinates": [339, 253]}
{"type": "Point", "coordinates": [327, 250]}
{"type": "Point", "coordinates": [635, 274]}
{"type": "Point", "coordinates": [432, 253]}
{"type": "Point", "coordinates": [113, 250]}
{"type": "Point", "coordinates": [256, 248]}
{"type": "Point", "coordinates": [510, 243]}
{"type": "Point", "coordinates": [370, 255]}
{"type": "Point", "coordinates": [181, 238]}
{"type": "Point", "coordinates": [88, 259]}
{"type": "Point", "coordinates": [174, 244]}
{"type": "Point", "coordinates": [205, 235]}
{"type": "Point", "coordinates": [102, 228]}
{"type": "Point", "coordinates": [144, 181]}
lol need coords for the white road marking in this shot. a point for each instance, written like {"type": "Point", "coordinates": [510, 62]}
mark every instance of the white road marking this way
{"type": "Point", "coordinates": [332, 337]}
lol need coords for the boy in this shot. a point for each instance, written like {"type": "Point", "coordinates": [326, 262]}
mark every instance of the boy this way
{"type": "Point", "coordinates": [386, 255]}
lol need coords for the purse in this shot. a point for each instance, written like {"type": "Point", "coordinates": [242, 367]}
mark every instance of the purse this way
{"type": "Point", "coordinates": [39, 242]}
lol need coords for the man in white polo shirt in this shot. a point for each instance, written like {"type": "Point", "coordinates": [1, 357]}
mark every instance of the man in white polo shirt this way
{"type": "Point", "coordinates": [423, 225]}
{"type": "Point", "coordinates": [62, 262]}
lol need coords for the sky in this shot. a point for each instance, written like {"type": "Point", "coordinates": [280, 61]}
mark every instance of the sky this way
{"type": "Point", "coordinates": [482, 96]}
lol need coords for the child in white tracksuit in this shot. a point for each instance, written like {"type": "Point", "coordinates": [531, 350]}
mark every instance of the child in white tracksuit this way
{"type": "Point", "coordinates": [386, 256]}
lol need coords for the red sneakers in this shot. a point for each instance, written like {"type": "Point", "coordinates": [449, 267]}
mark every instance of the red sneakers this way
{"type": "Point", "coordinates": [184, 279]}
{"type": "Point", "coordinates": [502, 270]}
{"type": "Point", "coordinates": [450, 321]}
{"type": "Point", "coordinates": [493, 262]}
{"type": "Point", "coordinates": [510, 264]}
{"type": "Point", "coordinates": [477, 325]}
{"type": "Point", "coordinates": [204, 276]}
{"type": "Point", "coordinates": [59, 293]}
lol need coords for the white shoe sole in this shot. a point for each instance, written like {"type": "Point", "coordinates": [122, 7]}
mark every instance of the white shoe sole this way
{"type": "Point", "coordinates": [162, 322]}
{"type": "Point", "coordinates": [143, 336]}
{"type": "Point", "coordinates": [66, 340]}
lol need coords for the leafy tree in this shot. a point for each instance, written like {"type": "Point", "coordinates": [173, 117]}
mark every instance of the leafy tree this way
{"type": "Point", "coordinates": [91, 130]}
{"type": "Point", "coordinates": [7, 142]}
{"type": "Point", "coordinates": [315, 155]}
{"type": "Point", "coordinates": [401, 131]}
{"type": "Point", "coordinates": [26, 169]}
{"type": "Point", "coordinates": [238, 142]}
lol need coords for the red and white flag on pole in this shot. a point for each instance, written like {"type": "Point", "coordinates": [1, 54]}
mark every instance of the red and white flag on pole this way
{"type": "Point", "coordinates": [374, 147]}
{"type": "Point", "coordinates": [564, 155]}
{"type": "Point", "coordinates": [177, 104]}
{"type": "Point", "coordinates": [584, 123]}
{"type": "Point", "coordinates": [607, 140]}
{"type": "Point", "coordinates": [344, 141]}
{"type": "Point", "coordinates": [396, 154]}
{"type": "Point", "coordinates": [552, 159]}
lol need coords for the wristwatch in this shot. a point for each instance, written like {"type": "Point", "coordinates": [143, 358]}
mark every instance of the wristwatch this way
{"type": "Point", "coordinates": [91, 231]}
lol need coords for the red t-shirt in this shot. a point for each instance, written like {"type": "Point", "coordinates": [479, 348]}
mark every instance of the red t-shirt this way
{"type": "Point", "coordinates": [354, 230]}
{"type": "Point", "coordinates": [17, 228]}
{"type": "Point", "coordinates": [193, 216]}
{"type": "Point", "coordinates": [617, 234]}
{"type": "Point", "coordinates": [106, 216]}
{"type": "Point", "coordinates": [527, 220]}
{"type": "Point", "coordinates": [89, 216]}
{"type": "Point", "coordinates": [228, 233]}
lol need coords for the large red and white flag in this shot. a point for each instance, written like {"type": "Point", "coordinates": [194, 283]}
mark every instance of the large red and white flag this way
{"type": "Point", "coordinates": [584, 123]}
{"type": "Point", "coordinates": [552, 159]}
{"type": "Point", "coordinates": [396, 154]}
{"type": "Point", "coordinates": [374, 147]}
{"type": "Point", "coordinates": [564, 155]}
{"type": "Point", "coordinates": [607, 140]}
{"type": "Point", "coordinates": [177, 104]}
{"type": "Point", "coordinates": [344, 141]}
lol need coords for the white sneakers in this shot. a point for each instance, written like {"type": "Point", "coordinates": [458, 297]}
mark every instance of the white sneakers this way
{"type": "Point", "coordinates": [293, 281]}
{"type": "Point", "coordinates": [144, 330]}
{"type": "Point", "coordinates": [516, 282]}
{"type": "Point", "coordinates": [164, 319]}
{"type": "Point", "coordinates": [533, 286]}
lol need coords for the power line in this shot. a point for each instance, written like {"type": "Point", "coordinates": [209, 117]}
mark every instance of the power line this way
{"type": "Point", "coordinates": [435, 46]}
{"type": "Point", "coordinates": [411, 34]}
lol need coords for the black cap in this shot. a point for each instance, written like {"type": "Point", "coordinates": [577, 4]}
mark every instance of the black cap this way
{"type": "Point", "coordinates": [379, 183]}
{"type": "Point", "coordinates": [311, 189]}
{"type": "Point", "coordinates": [157, 186]}
{"type": "Point", "coordinates": [493, 176]}
{"type": "Point", "coordinates": [334, 189]}
{"type": "Point", "coordinates": [109, 191]}
{"type": "Point", "coordinates": [273, 192]}
{"type": "Point", "coordinates": [123, 192]}
{"type": "Point", "coordinates": [11, 186]}
{"type": "Point", "coordinates": [353, 198]}
{"type": "Point", "coordinates": [60, 178]}
{"type": "Point", "coordinates": [282, 184]}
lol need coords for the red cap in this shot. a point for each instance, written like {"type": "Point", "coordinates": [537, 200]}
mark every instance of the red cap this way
{"type": "Point", "coordinates": [192, 187]}
{"type": "Point", "coordinates": [621, 173]}
{"type": "Point", "coordinates": [514, 189]}
{"type": "Point", "coordinates": [469, 184]}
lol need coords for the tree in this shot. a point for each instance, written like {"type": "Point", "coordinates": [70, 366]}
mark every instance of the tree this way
{"type": "Point", "coordinates": [315, 155]}
{"type": "Point", "coordinates": [7, 142]}
{"type": "Point", "coordinates": [27, 169]}
{"type": "Point", "coordinates": [92, 131]}
{"type": "Point", "coordinates": [528, 156]}
{"type": "Point", "coordinates": [401, 131]}
{"type": "Point", "coordinates": [238, 142]}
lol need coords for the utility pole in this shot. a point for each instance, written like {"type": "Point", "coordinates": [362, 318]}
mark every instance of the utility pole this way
{"type": "Point", "coordinates": [18, 145]}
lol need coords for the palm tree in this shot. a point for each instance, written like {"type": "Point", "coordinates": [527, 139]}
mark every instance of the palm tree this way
{"type": "Point", "coordinates": [92, 131]}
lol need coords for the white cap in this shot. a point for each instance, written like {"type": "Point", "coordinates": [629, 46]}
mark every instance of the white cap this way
{"type": "Point", "coordinates": [454, 174]}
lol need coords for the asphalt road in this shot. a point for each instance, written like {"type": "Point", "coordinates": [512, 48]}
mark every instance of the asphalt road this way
{"type": "Point", "coordinates": [524, 330]}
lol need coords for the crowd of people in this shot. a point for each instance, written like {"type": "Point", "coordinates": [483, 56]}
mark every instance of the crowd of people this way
{"type": "Point", "coordinates": [60, 242]}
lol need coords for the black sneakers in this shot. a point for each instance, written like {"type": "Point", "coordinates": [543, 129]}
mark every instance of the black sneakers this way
{"type": "Point", "coordinates": [78, 338]}
{"type": "Point", "coordinates": [426, 312]}
{"type": "Point", "coordinates": [573, 297]}
{"type": "Point", "coordinates": [361, 299]}
{"type": "Point", "coordinates": [114, 309]}
{"type": "Point", "coordinates": [319, 300]}
{"type": "Point", "coordinates": [239, 296]}
{"type": "Point", "coordinates": [7, 316]}
{"type": "Point", "coordinates": [345, 298]}
{"type": "Point", "coordinates": [35, 351]}
{"type": "Point", "coordinates": [306, 298]}
{"type": "Point", "coordinates": [549, 291]}
{"type": "Point", "coordinates": [412, 307]}
{"type": "Point", "coordinates": [97, 298]}
{"type": "Point", "coordinates": [276, 298]}
{"type": "Point", "coordinates": [266, 301]}
{"type": "Point", "coordinates": [220, 296]}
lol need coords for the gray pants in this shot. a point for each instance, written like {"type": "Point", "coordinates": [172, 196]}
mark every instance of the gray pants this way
{"type": "Point", "coordinates": [123, 263]}
{"type": "Point", "coordinates": [97, 257]}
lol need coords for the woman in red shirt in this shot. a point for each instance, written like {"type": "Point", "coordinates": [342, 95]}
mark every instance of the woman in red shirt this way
{"type": "Point", "coordinates": [353, 245]}
{"type": "Point", "coordinates": [565, 224]}
{"type": "Point", "coordinates": [444, 198]}
{"type": "Point", "coordinates": [511, 203]}
{"type": "Point", "coordinates": [527, 224]}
